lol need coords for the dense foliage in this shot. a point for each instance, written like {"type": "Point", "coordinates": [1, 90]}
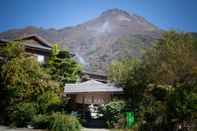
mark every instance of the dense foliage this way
{"type": "Point", "coordinates": [29, 93]}
{"type": "Point", "coordinates": [171, 67]}
{"type": "Point", "coordinates": [62, 67]}
{"type": "Point", "coordinates": [56, 121]}
{"type": "Point", "coordinates": [161, 88]}
{"type": "Point", "coordinates": [172, 61]}
{"type": "Point", "coordinates": [129, 75]}
{"type": "Point", "coordinates": [61, 122]}
{"type": "Point", "coordinates": [113, 113]}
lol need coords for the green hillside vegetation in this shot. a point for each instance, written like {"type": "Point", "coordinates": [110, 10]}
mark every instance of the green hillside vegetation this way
{"type": "Point", "coordinates": [161, 88]}
{"type": "Point", "coordinates": [132, 45]}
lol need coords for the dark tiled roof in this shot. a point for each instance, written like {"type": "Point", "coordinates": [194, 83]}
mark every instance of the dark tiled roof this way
{"type": "Point", "coordinates": [36, 37]}
{"type": "Point", "coordinates": [95, 74]}
{"type": "Point", "coordinates": [43, 43]}
{"type": "Point", "coordinates": [3, 41]}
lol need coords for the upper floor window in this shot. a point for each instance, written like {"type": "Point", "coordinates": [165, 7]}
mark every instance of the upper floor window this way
{"type": "Point", "coordinates": [40, 58]}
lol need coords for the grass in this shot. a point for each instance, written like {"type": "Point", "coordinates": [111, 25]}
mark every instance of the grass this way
{"type": "Point", "coordinates": [120, 130]}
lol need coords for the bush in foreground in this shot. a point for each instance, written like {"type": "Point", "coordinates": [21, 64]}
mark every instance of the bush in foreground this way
{"type": "Point", "coordinates": [113, 114]}
{"type": "Point", "coordinates": [57, 121]}
{"type": "Point", "coordinates": [62, 122]}
{"type": "Point", "coordinates": [41, 121]}
{"type": "Point", "coordinates": [21, 114]}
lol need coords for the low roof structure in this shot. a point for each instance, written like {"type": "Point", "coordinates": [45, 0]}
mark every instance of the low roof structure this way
{"type": "Point", "coordinates": [31, 42]}
{"type": "Point", "coordinates": [96, 76]}
{"type": "Point", "coordinates": [91, 86]}
{"type": "Point", "coordinates": [41, 42]}
{"type": "Point", "coordinates": [3, 41]}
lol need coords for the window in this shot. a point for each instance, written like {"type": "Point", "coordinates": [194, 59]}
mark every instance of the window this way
{"type": "Point", "coordinates": [40, 58]}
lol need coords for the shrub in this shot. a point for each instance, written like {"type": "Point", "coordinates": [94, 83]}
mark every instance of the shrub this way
{"type": "Point", "coordinates": [41, 121]}
{"type": "Point", "coordinates": [113, 113]}
{"type": "Point", "coordinates": [47, 100]}
{"type": "Point", "coordinates": [62, 122]}
{"type": "Point", "coordinates": [21, 114]}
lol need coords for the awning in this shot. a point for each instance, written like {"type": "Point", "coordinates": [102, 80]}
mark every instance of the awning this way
{"type": "Point", "coordinates": [91, 86]}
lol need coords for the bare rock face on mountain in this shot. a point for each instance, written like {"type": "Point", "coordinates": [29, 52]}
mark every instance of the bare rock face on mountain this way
{"type": "Point", "coordinates": [113, 35]}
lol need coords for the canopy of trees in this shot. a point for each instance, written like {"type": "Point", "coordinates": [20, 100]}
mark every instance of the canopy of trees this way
{"type": "Point", "coordinates": [29, 94]}
{"type": "Point", "coordinates": [162, 88]}
{"type": "Point", "coordinates": [62, 67]}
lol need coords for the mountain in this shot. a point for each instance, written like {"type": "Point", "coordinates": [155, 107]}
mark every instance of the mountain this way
{"type": "Point", "coordinates": [113, 35]}
{"type": "Point", "coordinates": [194, 34]}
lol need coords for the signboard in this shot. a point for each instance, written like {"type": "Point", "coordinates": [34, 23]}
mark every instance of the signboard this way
{"type": "Point", "coordinates": [93, 98]}
{"type": "Point", "coordinates": [130, 119]}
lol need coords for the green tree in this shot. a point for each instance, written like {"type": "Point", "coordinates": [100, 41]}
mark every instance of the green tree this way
{"type": "Point", "coordinates": [119, 71]}
{"type": "Point", "coordinates": [182, 107]}
{"type": "Point", "coordinates": [22, 75]}
{"type": "Point", "coordinates": [161, 89]}
{"type": "Point", "coordinates": [128, 74]}
{"type": "Point", "coordinates": [171, 66]}
{"type": "Point", "coordinates": [29, 95]}
{"type": "Point", "coordinates": [62, 67]}
{"type": "Point", "coordinates": [23, 80]}
{"type": "Point", "coordinates": [172, 61]}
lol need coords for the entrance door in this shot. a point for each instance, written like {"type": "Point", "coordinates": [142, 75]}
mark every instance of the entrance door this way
{"type": "Point", "coordinates": [95, 117]}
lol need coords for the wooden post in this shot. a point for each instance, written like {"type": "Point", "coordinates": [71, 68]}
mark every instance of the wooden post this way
{"type": "Point", "coordinates": [93, 100]}
{"type": "Point", "coordinates": [83, 107]}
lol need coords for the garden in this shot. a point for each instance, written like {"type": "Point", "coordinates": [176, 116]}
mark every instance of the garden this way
{"type": "Point", "coordinates": [160, 89]}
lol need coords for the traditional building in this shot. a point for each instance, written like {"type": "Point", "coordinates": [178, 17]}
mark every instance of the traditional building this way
{"type": "Point", "coordinates": [94, 89]}
{"type": "Point", "coordinates": [95, 76]}
{"type": "Point", "coordinates": [91, 92]}
{"type": "Point", "coordinates": [88, 96]}
{"type": "Point", "coordinates": [35, 45]}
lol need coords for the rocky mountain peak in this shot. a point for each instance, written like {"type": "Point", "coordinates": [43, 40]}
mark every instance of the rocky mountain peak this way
{"type": "Point", "coordinates": [115, 11]}
{"type": "Point", "coordinates": [115, 34]}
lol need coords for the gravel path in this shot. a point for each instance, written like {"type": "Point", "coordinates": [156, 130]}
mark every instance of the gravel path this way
{"type": "Point", "coordinates": [91, 129]}
{"type": "Point", "coordinates": [3, 128]}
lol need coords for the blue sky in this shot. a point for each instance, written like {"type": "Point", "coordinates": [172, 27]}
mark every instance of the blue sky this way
{"type": "Point", "coordinates": [166, 14]}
